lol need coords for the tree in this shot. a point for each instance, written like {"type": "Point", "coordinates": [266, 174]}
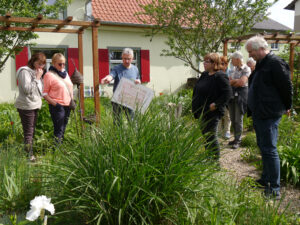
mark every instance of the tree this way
{"type": "Point", "coordinates": [11, 42]}
{"type": "Point", "coordinates": [197, 27]}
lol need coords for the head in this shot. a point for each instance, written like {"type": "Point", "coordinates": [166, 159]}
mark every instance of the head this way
{"type": "Point", "coordinates": [237, 59]}
{"type": "Point", "coordinates": [59, 61]}
{"type": "Point", "coordinates": [224, 63]}
{"type": "Point", "coordinates": [251, 63]}
{"type": "Point", "coordinates": [127, 57]}
{"type": "Point", "coordinates": [257, 47]}
{"type": "Point", "coordinates": [212, 62]}
{"type": "Point", "coordinates": [37, 61]}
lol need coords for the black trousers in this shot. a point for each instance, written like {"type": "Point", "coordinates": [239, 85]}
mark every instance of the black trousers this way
{"type": "Point", "coordinates": [209, 127]}
{"type": "Point", "coordinates": [60, 117]}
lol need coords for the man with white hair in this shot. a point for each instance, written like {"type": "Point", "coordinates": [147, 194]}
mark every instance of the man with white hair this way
{"type": "Point", "coordinates": [270, 95]}
{"type": "Point", "coordinates": [126, 70]}
{"type": "Point", "coordinates": [251, 63]}
{"type": "Point", "coordinates": [238, 104]}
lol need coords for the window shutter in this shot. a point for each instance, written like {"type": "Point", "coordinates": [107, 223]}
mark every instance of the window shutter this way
{"type": "Point", "coordinates": [73, 56]}
{"type": "Point", "coordinates": [145, 66]}
{"type": "Point", "coordinates": [22, 58]}
{"type": "Point", "coordinates": [103, 63]}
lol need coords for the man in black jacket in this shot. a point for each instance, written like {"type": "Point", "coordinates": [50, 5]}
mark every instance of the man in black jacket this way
{"type": "Point", "coordinates": [269, 96]}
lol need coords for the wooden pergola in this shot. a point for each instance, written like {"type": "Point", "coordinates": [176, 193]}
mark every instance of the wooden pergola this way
{"type": "Point", "coordinates": [40, 24]}
{"type": "Point", "coordinates": [291, 39]}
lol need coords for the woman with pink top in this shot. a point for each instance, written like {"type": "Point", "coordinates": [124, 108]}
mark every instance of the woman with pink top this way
{"type": "Point", "coordinates": [58, 92]}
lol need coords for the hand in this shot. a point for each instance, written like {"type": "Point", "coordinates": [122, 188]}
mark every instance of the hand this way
{"type": "Point", "coordinates": [212, 106]}
{"type": "Point", "coordinates": [107, 79]}
{"type": "Point", "coordinates": [39, 73]}
{"type": "Point", "coordinates": [288, 112]}
{"type": "Point", "coordinates": [138, 81]}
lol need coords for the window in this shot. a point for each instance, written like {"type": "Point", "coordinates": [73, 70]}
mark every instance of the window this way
{"type": "Point", "coordinates": [275, 46]}
{"type": "Point", "coordinates": [115, 57]}
{"type": "Point", "coordinates": [49, 52]}
{"type": "Point", "coordinates": [235, 46]}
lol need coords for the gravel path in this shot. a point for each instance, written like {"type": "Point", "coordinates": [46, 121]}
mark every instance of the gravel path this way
{"type": "Point", "coordinates": [231, 161]}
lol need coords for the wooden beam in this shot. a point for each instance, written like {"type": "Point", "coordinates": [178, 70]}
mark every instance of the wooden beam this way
{"type": "Point", "coordinates": [45, 21]}
{"type": "Point", "coordinates": [96, 72]}
{"type": "Point", "coordinates": [67, 22]}
{"type": "Point", "coordinates": [73, 31]}
{"type": "Point", "coordinates": [292, 54]}
{"type": "Point", "coordinates": [7, 16]}
{"type": "Point", "coordinates": [225, 48]}
{"type": "Point", "coordinates": [37, 19]}
{"type": "Point", "coordinates": [80, 62]}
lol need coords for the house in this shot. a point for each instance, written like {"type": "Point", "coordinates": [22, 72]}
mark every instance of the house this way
{"type": "Point", "coordinates": [119, 28]}
{"type": "Point", "coordinates": [295, 5]}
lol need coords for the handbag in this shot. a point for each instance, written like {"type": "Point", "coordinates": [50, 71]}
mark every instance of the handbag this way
{"type": "Point", "coordinates": [72, 104]}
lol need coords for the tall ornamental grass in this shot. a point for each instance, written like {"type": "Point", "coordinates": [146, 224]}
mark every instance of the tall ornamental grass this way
{"type": "Point", "coordinates": [143, 172]}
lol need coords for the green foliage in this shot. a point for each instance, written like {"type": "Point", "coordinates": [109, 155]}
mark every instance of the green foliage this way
{"type": "Point", "coordinates": [11, 42]}
{"type": "Point", "coordinates": [251, 152]}
{"type": "Point", "coordinates": [144, 172]}
{"type": "Point", "coordinates": [195, 28]}
{"type": "Point", "coordinates": [289, 150]}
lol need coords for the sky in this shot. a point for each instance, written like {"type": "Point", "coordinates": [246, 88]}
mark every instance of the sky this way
{"type": "Point", "coordinates": [281, 15]}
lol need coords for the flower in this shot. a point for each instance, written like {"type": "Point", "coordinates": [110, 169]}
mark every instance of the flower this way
{"type": "Point", "coordinates": [38, 205]}
{"type": "Point", "coordinates": [11, 122]}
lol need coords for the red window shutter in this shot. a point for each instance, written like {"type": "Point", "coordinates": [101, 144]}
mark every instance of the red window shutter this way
{"type": "Point", "coordinates": [103, 63]}
{"type": "Point", "coordinates": [73, 56]}
{"type": "Point", "coordinates": [22, 58]}
{"type": "Point", "coordinates": [145, 66]}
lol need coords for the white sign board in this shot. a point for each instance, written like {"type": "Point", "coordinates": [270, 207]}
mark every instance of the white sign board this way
{"type": "Point", "coordinates": [133, 96]}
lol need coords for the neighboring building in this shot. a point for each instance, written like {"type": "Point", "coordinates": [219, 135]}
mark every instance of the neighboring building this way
{"type": "Point", "coordinates": [295, 5]}
{"type": "Point", "coordinates": [119, 28]}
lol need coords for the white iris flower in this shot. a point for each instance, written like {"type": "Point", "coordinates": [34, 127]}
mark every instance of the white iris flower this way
{"type": "Point", "coordinates": [38, 206]}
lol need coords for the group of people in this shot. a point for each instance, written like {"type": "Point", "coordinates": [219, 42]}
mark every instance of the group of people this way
{"type": "Point", "coordinates": [54, 86]}
{"type": "Point", "coordinates": [263, 90]}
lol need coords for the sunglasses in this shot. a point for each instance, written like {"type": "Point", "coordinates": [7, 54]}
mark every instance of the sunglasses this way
{"type": "Point", "coordinates": [61, 64]}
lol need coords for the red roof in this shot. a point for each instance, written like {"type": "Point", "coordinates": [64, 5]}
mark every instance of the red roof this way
{"type": "Point", "coordinates": [118, 11]}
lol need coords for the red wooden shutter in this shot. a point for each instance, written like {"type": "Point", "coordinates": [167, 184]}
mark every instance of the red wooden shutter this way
{"type": "Point", "coordinates": [73, 56]}
{"type": "Point", "coordinates": [22, 58]}
{"type": "Point", "coordinates": [145, 66]}
{"type": "Point", "coordinates": [103, 63]}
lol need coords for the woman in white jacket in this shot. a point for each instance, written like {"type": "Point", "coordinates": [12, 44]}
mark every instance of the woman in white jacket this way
{"type": "Point", "coordinates": [29, 100]}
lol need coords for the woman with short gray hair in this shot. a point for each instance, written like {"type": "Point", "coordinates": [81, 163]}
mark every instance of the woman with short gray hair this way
{"type": "Point", "coordinates": [238, 104]}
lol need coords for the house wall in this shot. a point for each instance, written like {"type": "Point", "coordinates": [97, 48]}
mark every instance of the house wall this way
{"type": "Point", "coordinates": [166, 73]}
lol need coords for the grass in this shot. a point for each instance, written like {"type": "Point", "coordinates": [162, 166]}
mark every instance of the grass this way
{"type": "Point", "coordinates": [151, 171]}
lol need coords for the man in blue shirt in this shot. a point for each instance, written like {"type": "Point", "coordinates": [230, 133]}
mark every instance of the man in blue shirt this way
{"type": "Point", "coordinates": [126, 70]}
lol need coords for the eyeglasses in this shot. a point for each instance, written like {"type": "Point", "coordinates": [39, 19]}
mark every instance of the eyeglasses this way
{"type": "Point", "coordinates": [208, 61]}
{"type": "Point", "coordinates": [61, 64]}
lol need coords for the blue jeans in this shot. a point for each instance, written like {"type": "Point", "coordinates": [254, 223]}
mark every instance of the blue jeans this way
{"type": "Point", "coordinates": [266, 137]}
{"type": "Point", "coordinates": [60, 117]}
{"type": "Point", "coordinates": [117, 110]}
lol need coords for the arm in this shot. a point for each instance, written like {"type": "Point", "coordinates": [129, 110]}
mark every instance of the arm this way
{"type": "Point", "coordinates": [241, 82]}
{"type": "Point", "coordinates": [282, 82]}
{"type": "Point", "coordinates": [225, 90]}
{"type": "Point", "coordinates": [50, 100]}
{"type": "Point", "coordinates": [26, 82]}
{"type": "Point", "coordinates": [107, 79]}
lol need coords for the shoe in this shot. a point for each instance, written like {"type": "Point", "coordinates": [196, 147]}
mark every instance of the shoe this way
{"type": "Point", "coordinates": [227, 135]}
{"type": "Point", "coordinates": [235, 145]}
{"type": "Point", "coordinates": [32, 158]}
{"type": "Point", "coordinates": [231, 142]}
{"type": "Point", "coordinates": [272, 195]}
{"type": "Point", "coordinates": [259, 183]}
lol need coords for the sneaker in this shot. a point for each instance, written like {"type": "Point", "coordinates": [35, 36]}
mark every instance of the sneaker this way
{"type": "Point", "coordinates": [236, 145]}
{"type": "Point", "coordinates": [227, 135]}
{"type": "Point", "coordinates": [32, 158]}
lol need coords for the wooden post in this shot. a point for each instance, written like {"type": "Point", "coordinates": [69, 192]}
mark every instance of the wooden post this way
{"type": "Point", "coordinates": [225, 48]}
{"type": "Point", "coordinates": [80, 62]}
{"type": "Point", "coordinates": [96, 71]}
{"type": "Point", "coordinates": [292, 54]}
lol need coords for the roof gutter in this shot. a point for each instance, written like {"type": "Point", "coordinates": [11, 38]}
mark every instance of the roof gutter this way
{"type": "Point", "coordinates": [111, 23]}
